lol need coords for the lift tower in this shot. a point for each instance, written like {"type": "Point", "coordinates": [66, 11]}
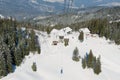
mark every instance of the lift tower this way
{"type": "Point", "coordinates": [68, 5]}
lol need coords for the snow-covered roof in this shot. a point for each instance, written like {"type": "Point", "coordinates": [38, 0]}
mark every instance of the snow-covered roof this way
{"type": "Point", "coordinates": [114, 21]}
{"type": "Point", "coordinates": [85, 30]}
{"type": "Point", "coordinates": [67, 29]}
{"type": "Point", "coordinates": [66, 37]}
{"type": "Point", "coordinates": [23, 28]}
{"type": "Point", "coordinates": [61, 33]}
{"type": "Point", "coordinates": [52, 25]}
{"type": "Point", "coordinates": [1, 16]}
{"type": "Point", "coordinates": [54, 31]}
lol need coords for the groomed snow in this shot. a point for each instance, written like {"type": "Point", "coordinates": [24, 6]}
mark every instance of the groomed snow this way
{"type": "Point", "coordinates": [53, 58]}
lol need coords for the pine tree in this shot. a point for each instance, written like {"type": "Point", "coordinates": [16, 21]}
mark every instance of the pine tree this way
{"type": "Point", "coordinates": [32, 41]}
{"type": "Point", "coordinates": [34, 68]}
{"type": "Point", "coordinates": [27, 49]}
{"type": "Point", "coordinates": [9, 61]}
{"type": "Point", "coordinates": [83, 63]}
{"type": "Point", "coordinates": [48, 30]}
{"type": "Point", "coordinates": [13, 46]}
{"type": "Point", "coordinates": [22, 50]}
{"type": "Point", "coordinates": [97, 68]}
{"type": "Point", "coordinates": [18, 56]}
{"type": "Point", "coordinates": [81, 36]}
{"type": "Point", "coordinates": [90, 59]}
{"type": "Point", "coordinates": [3, 58]}
{"type": "Point", "coordinates": [3, 69]}
{"type": "Point", "coordinates": [93, 62]}
{"type": "Point", "coordinates": [39, 50]}
{"type": "Point", "coordinates": [76, 56]}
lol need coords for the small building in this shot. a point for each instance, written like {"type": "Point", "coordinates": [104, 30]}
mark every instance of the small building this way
{"type": "Point", "coordinates": [93, 35]}
{"type": "Point", "coordinates": [54, 31]}
{"type": "Point", "coordinates": [68, 30]}
{"type": "Point", "coordinates": [61, 37]}
{"type": "Point", "coordinates": [85, 30]}
{"type": "Point", "coordinates": [55, 43]}
{"type": "Point", "coordinates": [66, 39]}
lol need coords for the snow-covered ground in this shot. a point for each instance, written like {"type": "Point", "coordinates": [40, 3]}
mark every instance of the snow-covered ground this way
{"type": "Point", "coordinates": [53, 58]}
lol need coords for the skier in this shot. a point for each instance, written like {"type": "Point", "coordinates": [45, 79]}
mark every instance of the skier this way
{"type": "Point", "coordinates": [61, 71]}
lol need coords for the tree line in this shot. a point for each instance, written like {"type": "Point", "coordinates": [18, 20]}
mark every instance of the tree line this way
{"type": "Point", "coordinates": [15, 44]}
{"type": "Point", "coordinates": [90, 61]}
{"type": "Point", "coordinates": [102, 27]}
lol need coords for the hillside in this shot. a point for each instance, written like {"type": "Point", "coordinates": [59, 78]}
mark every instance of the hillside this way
{"type": "Point", "coordinates": [25, 9]}
{"type": "Point", "coordinates": [53, 58]}
{"type": "Point", "coordinates": [80, 15]}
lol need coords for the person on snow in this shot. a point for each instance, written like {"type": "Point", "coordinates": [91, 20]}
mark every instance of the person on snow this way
{"type": "Point", "coordinates": [61, 71]}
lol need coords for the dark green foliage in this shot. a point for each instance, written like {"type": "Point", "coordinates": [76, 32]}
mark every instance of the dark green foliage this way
{"type": "Point", "coordinates": [9, 62]}
{"type": "Point", "coordinates": [39, 50]}
{"type": "Point", "coordinates": [3, 69]}
{"type": "Point", "coordinates": [34, 68]}
{"type": "Point", "coordinates": [26, 51]}
{"type": "Point", "coordinates": [97, 68]}
{"type": "Point", "coordinates": [17, 57]}
{"type": "Point", "coordinates": [90, 61]}
{"type": "Point", "coordinates": [32, 41]}
{"type": "Point", "coordinates": [6, 59]}
{"type": "Point", "coordinates": [76, 56]}
{"type": "Point", "coordinates": [48, 30]}
{"type": "Point", "coordinates": [83, 63]}
{"type": "Point", "coordinates": [102, 27]}
{"type": "Point", "coordinates": [66, 41]}
{"type": "Point", "coordinates": [81, 36]}
{"type": "Point", "coordinates": [117, 42]}
{"type": "Point", "coordinates": [14, 44]}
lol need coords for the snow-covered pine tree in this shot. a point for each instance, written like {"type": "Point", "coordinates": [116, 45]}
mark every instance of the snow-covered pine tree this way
{"type": "Point", "coordinates": [8, 60]}
{"type": "Point", "coordinates": [17, 56]}
{"type": "Point", "coordinates": [81, 36]}
{"type": "Point", "coordinates": [97, 68]}
{"type": "Point", "coordinates": [32, 41]}
{"type": "Point", "coordinates": [84, 63]}
{"type": "Point", "coordinates": [3, 69]}
{"type": "Point", "coordinates": [76, 55]}
{"type": "Point", "coordinates": [90, 59]}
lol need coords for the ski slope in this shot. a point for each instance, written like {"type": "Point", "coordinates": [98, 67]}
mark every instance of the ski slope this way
{"type": "Point", "coordinates": [53, 58]}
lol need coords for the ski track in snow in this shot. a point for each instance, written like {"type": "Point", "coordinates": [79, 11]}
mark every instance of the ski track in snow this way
{"type": "Point", "coordinates": [54, 58]}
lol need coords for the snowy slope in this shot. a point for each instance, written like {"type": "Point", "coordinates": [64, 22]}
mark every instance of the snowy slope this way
{"type": "Point", "coordinates": [54, 58]}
